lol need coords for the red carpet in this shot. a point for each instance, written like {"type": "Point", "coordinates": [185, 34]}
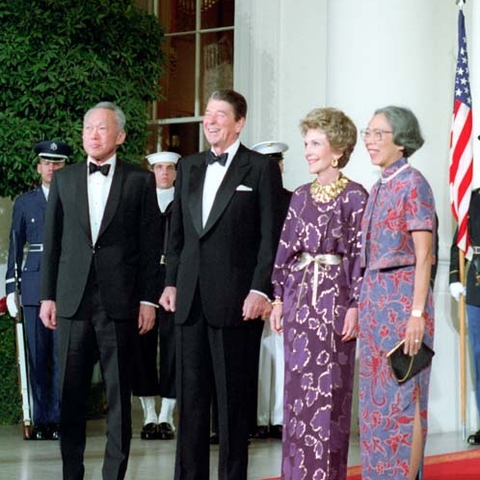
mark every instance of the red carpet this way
{"type": "Point", "coordinates": [450, 466]}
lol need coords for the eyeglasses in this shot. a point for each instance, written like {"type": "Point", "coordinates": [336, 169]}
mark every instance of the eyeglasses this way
{"type": "Point", "coordinates": [376, 134]}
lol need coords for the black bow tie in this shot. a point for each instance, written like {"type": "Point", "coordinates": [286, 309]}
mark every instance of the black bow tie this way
{"type": "Point", "coordinates": [212, 158]}
{"type": "Point", "coordinates": [103, 169]}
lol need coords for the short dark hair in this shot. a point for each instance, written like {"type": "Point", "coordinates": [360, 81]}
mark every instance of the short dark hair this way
{"type": "Point", "coordinates": [235, 99]}
{"type": "Point", "coordinates": [405, 127]}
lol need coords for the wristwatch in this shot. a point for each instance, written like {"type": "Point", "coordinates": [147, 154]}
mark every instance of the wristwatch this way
{"type": "Point", "coordinates": [416, 313]}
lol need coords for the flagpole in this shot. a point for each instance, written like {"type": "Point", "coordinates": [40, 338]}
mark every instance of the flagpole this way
{"type": "Point", "coordinates": [461, 176]}
{"type": "Point", "coordinates": [462, 319]}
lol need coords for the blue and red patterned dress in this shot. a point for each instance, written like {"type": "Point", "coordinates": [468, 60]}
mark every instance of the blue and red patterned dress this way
{"type": "Point", "coordinates": [399, 203]}
{"type": "Point", "coordinates": [319, 367]}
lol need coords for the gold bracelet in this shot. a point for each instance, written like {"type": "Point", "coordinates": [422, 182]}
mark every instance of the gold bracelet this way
{"type": "Point", "coordinates": [277, 301]}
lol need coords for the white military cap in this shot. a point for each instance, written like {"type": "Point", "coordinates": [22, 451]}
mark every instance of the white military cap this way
{"type": "Point", "coordinates": [270, 148]}
{"type": "Point", "coordinates": [163, 157]}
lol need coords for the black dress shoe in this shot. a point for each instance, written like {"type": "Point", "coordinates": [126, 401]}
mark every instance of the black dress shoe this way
{"type": "Point", "coordinates": [149, 432]}
{"type": "Point", "coordinates": [40, 432]}
{"type": "Point", "coordinates": [165, 431]}
{"type": "Point", "coordinates": [53, 431]}
{"type": "Point", "coordinates": [261, 432]}
{"type": "Point", "coordinates": [474, 439]}
{"type": "Point", "coordinates": [214, 440]}
{"type": "Point", "coordinates": [276, 431]}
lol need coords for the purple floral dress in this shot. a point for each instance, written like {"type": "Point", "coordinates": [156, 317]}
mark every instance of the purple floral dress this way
{"type": "Point", "coordinates": [319, 367]}
{"type": "Point", "coordinates": [402, 201]}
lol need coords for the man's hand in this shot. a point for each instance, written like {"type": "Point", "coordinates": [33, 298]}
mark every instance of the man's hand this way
{"type": "Point", "coordinates": [146, 318]}
{"type": "Point", "coordinates": [168, 299]}
{"type": "Point", "coordinates": [254, 306]}
{"type": "Point", "coordinates": [12, 305]}
{"type": "Point", "coordinates": [456, 289]}
{"type": "Point", "coordinates": [48, 314]}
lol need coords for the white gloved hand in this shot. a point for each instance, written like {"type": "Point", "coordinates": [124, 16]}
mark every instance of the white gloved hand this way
{"type": "Point", "coordinates": [457, 289]}
{"type": "Point", "coordinates": [12, 305]}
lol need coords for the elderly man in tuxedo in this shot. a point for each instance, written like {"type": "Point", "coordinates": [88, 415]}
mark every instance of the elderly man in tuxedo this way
{"type": "Point", "coordinates": [99, 282]}
{"type": "Point", "coordinates": [224, 233]}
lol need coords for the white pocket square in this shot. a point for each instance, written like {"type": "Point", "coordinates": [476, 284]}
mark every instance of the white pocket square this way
{"type": "Point", "coordinates": [244, 188]}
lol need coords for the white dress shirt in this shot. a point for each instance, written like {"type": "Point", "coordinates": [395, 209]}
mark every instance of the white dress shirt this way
{"type": "Point", "coordinates": [213, 179]}
{"type": "Point", "coordinates": [45, 191]}
{"type": "Point", "coordinates": [98, 190]}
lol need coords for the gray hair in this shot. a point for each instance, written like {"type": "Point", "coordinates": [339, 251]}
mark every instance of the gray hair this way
{"type": "Point", "coordinates": [405, 127]}
{"type": "Point", "coordinates": [119, 115]}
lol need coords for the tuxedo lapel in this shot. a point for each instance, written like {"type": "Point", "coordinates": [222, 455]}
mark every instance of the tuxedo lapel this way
{"type": "Point", "coordinates": [113, 197]}
{"type": "Point", "coordinates": [233, 178]}
{"type": "Point", "coordinates": [195, 189]}
{"type": "Point", "coordinates": [82, 199]}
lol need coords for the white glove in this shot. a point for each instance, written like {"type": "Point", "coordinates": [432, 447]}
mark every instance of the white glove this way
{"type": "Point", "coordinates": [457, 289]}
{"type": "Point", "coordinates": [12, 305]}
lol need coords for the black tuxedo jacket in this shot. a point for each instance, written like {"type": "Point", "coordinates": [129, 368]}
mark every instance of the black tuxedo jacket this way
{"type": "Point", "coordinates": [126, 255]}
{"type": "Point", "coordinates": [235, 251]}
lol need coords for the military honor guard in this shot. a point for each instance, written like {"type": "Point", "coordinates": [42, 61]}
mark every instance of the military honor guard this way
{"type": "Point", "coordinates": [152, 377]}
{"type": "Point", "coordinates": [26, 235]}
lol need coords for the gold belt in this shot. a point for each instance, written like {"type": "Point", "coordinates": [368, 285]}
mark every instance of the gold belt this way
{"type": "Point", "coordinates": [321, 259]}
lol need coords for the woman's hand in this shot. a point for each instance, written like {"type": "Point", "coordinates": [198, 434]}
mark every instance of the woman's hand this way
{"type": "Point", "coordinates": [276, 318]}
{"type": "Point", "coordinates": [414, 335]}
{"type": "Point", "coordinates": [350, 325]}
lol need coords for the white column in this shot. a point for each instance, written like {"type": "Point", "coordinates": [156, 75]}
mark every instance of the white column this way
{"type": "Point", "coordinates": [280, 57]}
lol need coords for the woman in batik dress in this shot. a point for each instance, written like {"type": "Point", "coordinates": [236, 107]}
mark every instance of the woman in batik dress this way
{"type": "Point", "coordinates": [316, 282]}
{"type": "Point", "coordinates": [396, 300]}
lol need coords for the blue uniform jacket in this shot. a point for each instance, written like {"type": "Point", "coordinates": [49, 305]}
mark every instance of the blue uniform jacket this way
{"type": "Point", "coordinates": [27, 226]}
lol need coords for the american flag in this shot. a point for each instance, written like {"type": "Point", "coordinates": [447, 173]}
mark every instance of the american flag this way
{"type": "Point", "coordinates": [461, 150]}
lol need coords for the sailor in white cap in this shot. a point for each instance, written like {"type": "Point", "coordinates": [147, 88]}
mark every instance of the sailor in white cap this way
{"type": "Point", "coordinates": [28, 220]}
{"type": "Point", "coordinates": [150, 381]}
{"type": "Point", "coordinates": [271, 363]}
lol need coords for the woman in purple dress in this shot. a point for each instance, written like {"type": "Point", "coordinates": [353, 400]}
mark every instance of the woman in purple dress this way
{"type": "Point", "coordinates": [316, 282]}
{"type": "Point", "coordinates": [396, 300]}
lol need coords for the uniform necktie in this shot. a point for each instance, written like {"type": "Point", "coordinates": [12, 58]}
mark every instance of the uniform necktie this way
{"type": "Point", "coordinates": [103, 169]}
{"type": "Point", "coordinates": [221, 159]}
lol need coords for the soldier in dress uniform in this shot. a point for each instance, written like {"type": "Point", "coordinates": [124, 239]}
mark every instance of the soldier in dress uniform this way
{"type": "Point", "coordinates": [148, 380]}
{"type": "Point", "coordinates": [27, 233]}
{"type": "Point", "coordinates": [472, 293]}
{"type": "Point", "coordinates": [271, 363]}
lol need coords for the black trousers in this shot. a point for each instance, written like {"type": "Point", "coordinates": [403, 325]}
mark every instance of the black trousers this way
{"type": "Point", "coordinates": [153, 376]}
{"type": "Point", "coordinates": [81, 342]}
{"type": "Point", "coordinates": [206, 356]}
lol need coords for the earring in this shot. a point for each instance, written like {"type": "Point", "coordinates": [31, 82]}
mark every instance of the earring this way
{"type": "Point", "coordinates": [334, 162]}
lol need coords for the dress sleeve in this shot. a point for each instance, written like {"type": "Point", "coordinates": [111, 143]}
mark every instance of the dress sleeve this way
{"type": "Point", "coordinates": [288, 246]}
{"type": "Point", "coordinates": [353, 241]}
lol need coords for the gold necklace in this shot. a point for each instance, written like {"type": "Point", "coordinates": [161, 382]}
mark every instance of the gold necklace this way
{"type": "Point", "coordinates": [326, 193]}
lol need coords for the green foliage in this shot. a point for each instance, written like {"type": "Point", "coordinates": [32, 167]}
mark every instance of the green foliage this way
{"type": "Point", "coordinates": [58, 58]}
{"type": "Point", "coordinates": [10, 402]}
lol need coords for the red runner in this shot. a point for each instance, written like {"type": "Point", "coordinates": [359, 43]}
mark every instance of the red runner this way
{"type": "Point", "coordinates": [449, 466]}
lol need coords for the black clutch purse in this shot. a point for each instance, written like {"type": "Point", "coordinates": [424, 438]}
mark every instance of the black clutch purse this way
{"type": "Point", "coordinates": [405, 366]}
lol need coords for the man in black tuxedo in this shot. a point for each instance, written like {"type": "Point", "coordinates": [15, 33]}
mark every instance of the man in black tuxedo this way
{"type": "Point", "coordinates": [99, 282]}
{"type": "Point", "coordinates": [224, 233]}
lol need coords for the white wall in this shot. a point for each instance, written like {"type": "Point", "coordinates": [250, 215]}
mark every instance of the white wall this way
{"type": "Point", "coordinates": [359, 56]}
